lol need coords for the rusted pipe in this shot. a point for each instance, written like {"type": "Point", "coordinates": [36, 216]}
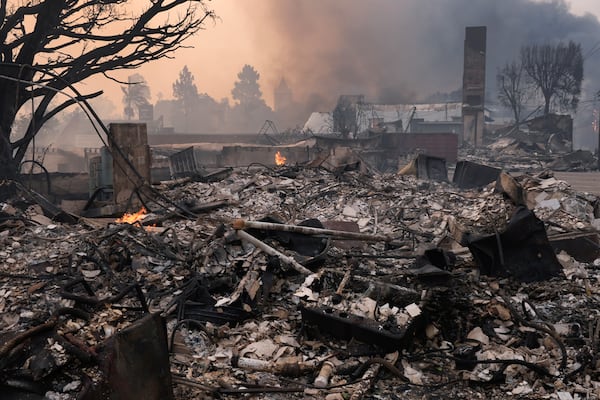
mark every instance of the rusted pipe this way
{"type": "Point", "coordinates": [240, 224]}
{"type": "Point", "coordinates": [322, 380]}
{"type": "Point", "coordinates": [273, 252]}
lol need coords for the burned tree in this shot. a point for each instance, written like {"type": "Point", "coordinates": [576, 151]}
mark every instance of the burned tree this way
{"type": "Point", "coordinates": [512, 88]}
{"type": "Point", "coordinates": [246, 90]}
{"type": "Point", "coordinates": [250, 108]}
{"type": "Point", "coordinates": [556, 71]}
{"type": "Point", "coordinates": [135, 93]}
{"type": "Point", "coordinates": [186, 93]}
{"type": "Point", "coordinates": [47, 46]}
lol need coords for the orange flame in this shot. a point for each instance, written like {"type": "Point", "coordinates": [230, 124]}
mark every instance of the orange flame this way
{"type": "Point", "coordinates": [279, 159]}
{"type": "Point", "coordinates": [133, 218]}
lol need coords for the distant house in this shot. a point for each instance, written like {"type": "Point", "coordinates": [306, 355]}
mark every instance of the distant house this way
{"type": "Point", "coordinates": [319, 123]}
{"type": "Point", "coordinates": [411, 118]}
{"type": "Point", "coordinates": [359, 117]}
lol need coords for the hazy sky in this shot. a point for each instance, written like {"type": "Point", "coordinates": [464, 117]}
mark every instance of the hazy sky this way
{"type": "Point", "coordinates": [585, 6]}
{"type": "Point", "coordinates": [385, 49]}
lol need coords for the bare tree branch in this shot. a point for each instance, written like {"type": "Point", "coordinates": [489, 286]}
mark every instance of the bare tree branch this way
{"type": "Point", "coordinates": [513, 89]}
{"type": "Point", "coordinates": [73, 40]}
{"type": "Point", "coordinates": [557, 71]}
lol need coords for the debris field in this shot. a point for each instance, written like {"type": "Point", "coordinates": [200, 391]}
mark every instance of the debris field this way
{"type": "Point", "coordinates": [297, 282]}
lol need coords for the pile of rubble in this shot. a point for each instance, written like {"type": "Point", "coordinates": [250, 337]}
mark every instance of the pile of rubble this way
{"type": "Point", "coordinates": [299, 282]}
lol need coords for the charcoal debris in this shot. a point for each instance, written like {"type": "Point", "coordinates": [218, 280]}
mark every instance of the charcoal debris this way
{"type": "Point", "coordinates": [316, 284]}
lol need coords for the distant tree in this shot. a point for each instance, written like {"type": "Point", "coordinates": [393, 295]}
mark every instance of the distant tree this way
{"type": "Point", "coordinates": [192, 111]}
{"type": "Point", "coordinates": [47, 46]}
{"type": "Point", "coordinates": [556, 71]}
{"type": "Point", "coordinates": [246, 90]}
{"type": "Point", "coordinates": [186, 94]}
{"type": "Point", "coordinates": [135, 93]}
{"type": "Point", "coordinates": [513, 89]}
{"type": "Point", "coordinates": [250, 110]}
{"type": "Point", "coordinates": [184, 88]}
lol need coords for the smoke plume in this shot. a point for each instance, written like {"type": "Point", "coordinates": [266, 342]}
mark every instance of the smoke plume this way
{"type": "Point", "coordinates": [394, 51]}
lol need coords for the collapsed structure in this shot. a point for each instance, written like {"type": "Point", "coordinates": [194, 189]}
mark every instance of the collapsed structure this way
{"type": "Point", "coordinates": [320, 281]}
{"type": "Point", "coordinates": [405, 257]}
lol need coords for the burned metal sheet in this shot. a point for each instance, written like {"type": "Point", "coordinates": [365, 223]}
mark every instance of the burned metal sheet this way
{"type": "Point", "coordinates": [184, 163]}
{"type": "Point", "coordinates": [522, 250]}
{"type": "Point", "coordinates": [468, 174]}
{"type": "Point", "coordinates": [582, 246]}
{"type": "Point", "coordinates": [135, 363]}
{"type": "Point", "coordinates": [427, 167]}
{"type": "Point", "coordinates": [196, 303]}
{"type": "Point", "coordinates": [433, 266]}
{"type": "Point", "coordinates": [346, 326]}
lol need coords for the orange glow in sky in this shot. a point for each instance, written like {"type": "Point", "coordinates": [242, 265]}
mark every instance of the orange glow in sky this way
{"type": "Point", "coordinates": [219, 52]}
{"type": "Point", "coordinates": [315, 46]}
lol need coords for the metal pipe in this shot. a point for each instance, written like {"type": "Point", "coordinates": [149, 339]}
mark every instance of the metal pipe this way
{"type": "Point", "coordinates": [273, 252]}
{"type": "Point", "coordinates": [239, 224]}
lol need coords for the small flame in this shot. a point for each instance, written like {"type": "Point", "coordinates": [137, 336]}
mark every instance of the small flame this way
{"type": "Point", "coordinates": [133, 218]}
{"type": "Point", "coordinates": [279, 159]}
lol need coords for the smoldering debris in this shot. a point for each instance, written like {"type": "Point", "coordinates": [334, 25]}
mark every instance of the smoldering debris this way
{"type": "Point", "coordinates": [392, 284]}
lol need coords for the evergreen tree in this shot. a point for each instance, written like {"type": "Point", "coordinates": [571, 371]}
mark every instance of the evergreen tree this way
{"type": "Point", "coordinates": [246, 91]}
{"type": "Point", "coordinates": [186, 94]}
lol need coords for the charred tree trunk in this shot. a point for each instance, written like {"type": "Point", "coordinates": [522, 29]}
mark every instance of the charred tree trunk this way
{"type": "Point", "coordinates": [9, 105]}
{"type": "Point", "coordinates": [547, 104]}
{"type": "Point", "coordinates": [8, 169]}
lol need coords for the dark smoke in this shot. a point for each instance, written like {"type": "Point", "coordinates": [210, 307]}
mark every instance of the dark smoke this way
{"type": "Point", "coordinates": [403, 50]}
